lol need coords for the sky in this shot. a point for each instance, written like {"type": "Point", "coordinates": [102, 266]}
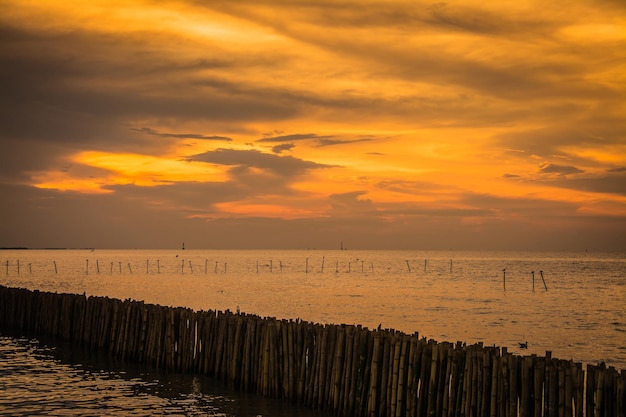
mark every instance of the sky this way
{"type": "Point", "coordinates": [300, 124]}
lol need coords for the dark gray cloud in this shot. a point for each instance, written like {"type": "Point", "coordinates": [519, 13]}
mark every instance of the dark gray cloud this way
{"type": "Point", "coordinates": [149, 131]}
{"type": "Point", "coordinates": [283, 147]}
{"type": "Point", "coordinates": [291, 138]}
{"type": "Point", "coordinates": [285, 166]}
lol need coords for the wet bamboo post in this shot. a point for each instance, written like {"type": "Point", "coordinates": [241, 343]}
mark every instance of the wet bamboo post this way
{"type": "Point", "coordinates": [216, 267]}
{"type": "Point", "coordinates": [450, 265]}
{"type": "Point", "coordinates": [111, 268]}
{"type": "Point", "coordinates": [206, 265]}
{"type": "Point", "coordinates": [225, 266]}
{"type": "Point", "coordinates": [533, 275]}
{"type": "Point", "coordinates": [8, 267]}
{"type": "Point", "coordinates": [190, 267]}
{"type": "Point", "coordinates": [120, 265]}
{"type": "Point", "coordinates": [362, 266]}
{"type": "Point", "coordinates": [129, 268]}
{"type": "Point", "coordinates": [544, 281]}
{"type": "Point", "coordinates": [280, 263]}
{"type": "Point", "coordinates": [86, 266]}
{"type": "Point", "coordinates": [408, 266]}
{"type": "Point", "coordinates": [424, 265]}
{"type": "Point", "coordinates": [322, 269]}
{"type": "Point", "coordinates": [504, 278]}
{"type": "Point", "coordinates": [55, 266]}
{"type": "Point", "coordinates": [349, 266]}
{"type": "Point", "coordinates": [257, 266]}
{"type": "Point", "coordinates": [97, 266]}
{"type": "Point", "coordinates": [182, 266]}
{"type": "Point", "coordinates": [147, 266]}
{"type": "Point", "coordinates": [306, 267]}
{"type": "Point", "coordinates": [271, 266]}
{"type": "Point", "coordinates": [158, 266]}
{"type": "Point", "coordinates": [18, 267]}
{"type": "Point", "coordinates": [336, 267]}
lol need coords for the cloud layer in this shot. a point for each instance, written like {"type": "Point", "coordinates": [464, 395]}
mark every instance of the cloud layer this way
{"type": "Point", "coordinates": [298, 124]}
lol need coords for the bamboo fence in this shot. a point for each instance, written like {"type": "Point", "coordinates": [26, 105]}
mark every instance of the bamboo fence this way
{"type": "Point", "coordinates": [342, 369]}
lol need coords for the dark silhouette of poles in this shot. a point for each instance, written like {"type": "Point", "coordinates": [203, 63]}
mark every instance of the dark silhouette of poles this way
{"type": "Point", "coordinates": [533, 274]}
{"type": "Point", "coordinates": [86, 266]}
{"type": "Point", "coordinates": [18, 267]}
{"type": "Point", "coordinates": [111, 268]}
{"type": "Point", "coordinates": [206, 265]}
{"type": "Point", "coordinates": [322, 269]}
{"type": "Point", "coordinates": [306, 267]}
{"type": "Point", "coordinates": [129, 268]}
{"type": "Point", "coordinates": [424, 265]}
{"type": "Point", "coordinates": [504, 278]}
{"type": "Point", "coordinates": [97, 266]}
{"type": "Point", "coordinates": [408, 267]}
{"type": "Point", "coordinates": [544, 281]}
{"type": "Point", "coordinates": [158, 266]}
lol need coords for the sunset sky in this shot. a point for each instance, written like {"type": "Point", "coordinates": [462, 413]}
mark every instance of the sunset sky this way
{"type": "Point", "coordinates": [302, 124]}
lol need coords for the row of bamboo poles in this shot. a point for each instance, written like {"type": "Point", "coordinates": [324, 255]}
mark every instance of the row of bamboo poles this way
{"type": "Point", "coordinates": [345, 370]}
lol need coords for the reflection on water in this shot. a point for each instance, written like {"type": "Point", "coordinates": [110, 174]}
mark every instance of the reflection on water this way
{"type": "Point", "coordinates": [53, 378]}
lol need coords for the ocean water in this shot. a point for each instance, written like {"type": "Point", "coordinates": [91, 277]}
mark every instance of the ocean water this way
{"type": "Point", "coordinates": [571, 304]}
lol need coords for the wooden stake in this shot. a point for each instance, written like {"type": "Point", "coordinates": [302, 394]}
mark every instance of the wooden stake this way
{"type": "Point", "coordinates": [544, 281]}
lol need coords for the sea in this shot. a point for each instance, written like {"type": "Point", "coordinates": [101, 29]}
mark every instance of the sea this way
{"type": "Point", "coordinates": [570, 304]}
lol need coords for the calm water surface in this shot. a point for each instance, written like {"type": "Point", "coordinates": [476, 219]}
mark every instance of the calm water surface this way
{"type": "Point", "coordinates": [448, 296]}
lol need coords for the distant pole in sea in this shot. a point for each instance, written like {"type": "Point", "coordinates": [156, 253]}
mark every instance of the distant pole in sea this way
{"type": "Point", "coordinates": [216, 267]}
{"type": "Point", "coordinates": [158, 266]}
{"type": "Point", "coordinates": [55, 266]}
{"type": "Point", "coordinates": [18, 267]}
{"type": "Point", "coordinates": [337, 267]}
{"type": "Point", "coordinates": [129, 268]}
{"type": "Point", "coordinates": [408, 266]}
{"type": "Point", "coordinates": [111, 268]}
{"type": "Point", "coordinates": [87, 267]}
{"type": "Point", "coordinates": [362, 266]}
{"type": "Point", "coordinates": [7, 267]}
{"type": "Point", "coordinates": [257, 266]}
{"type": "Point", "coordinates": [322, 265]}
{"type": "Point", "coordinates": [450, 265]}
{"type": "Point", "coordinates": [424, 265]}
{"type": "Point", "coordinates": [120, 264]}
{"type": "Point", "coordinates": [190, 267]}
{"type": "Point", "coordinates": [147, 264]}
{"type": "Point", "coordinates": [504, 278]}
{"type": "Point", "coordinates": [97, 266]}
{"type": "Point", "coordinates": [533, 274]}
{"type": "Point", "coordinates": [224, 267]}
{"type": "Point", "coordinates": [544, 281]}
{"type": "Point", "coordinates": [306, 266]}
{"type": "Point", "coordinates": [281, 266]}
{"type": "Point", "coordinates": [206, 265]}
{"type": "Point", "coordinates": [30, 269]}
{"type": "Point", "coordinates": [182, 267]}
{"type": "Point", "coordinates": [271, 266]}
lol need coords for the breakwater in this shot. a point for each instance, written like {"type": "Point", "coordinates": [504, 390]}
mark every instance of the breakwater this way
{"type": "Point", "coordinates": [346, 370]}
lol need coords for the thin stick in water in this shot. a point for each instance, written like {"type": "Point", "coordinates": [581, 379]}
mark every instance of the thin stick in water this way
{"type": "Point", "coordinates": [544, 281]}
